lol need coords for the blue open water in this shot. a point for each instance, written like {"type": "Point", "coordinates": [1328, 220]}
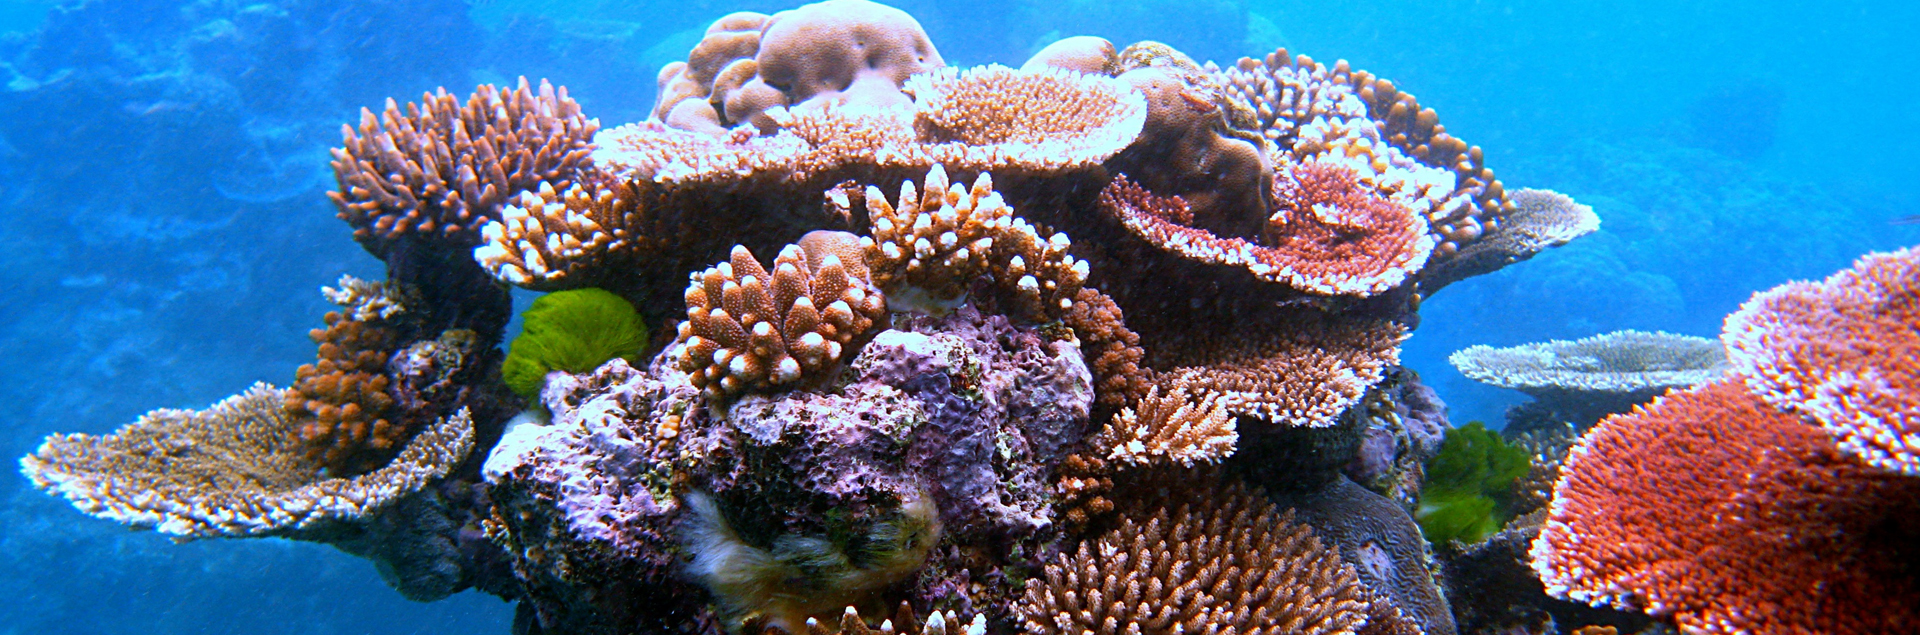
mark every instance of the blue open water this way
{"type": "Point", "coordinates": [163, 163]}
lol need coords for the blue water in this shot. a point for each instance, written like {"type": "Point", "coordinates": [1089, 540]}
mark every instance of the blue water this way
{"type": "Point", "coordinates": [162, 166]}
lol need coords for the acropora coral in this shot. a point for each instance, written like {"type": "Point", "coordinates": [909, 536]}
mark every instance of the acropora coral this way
{"type": "Point", "coordinates": [943, 341]}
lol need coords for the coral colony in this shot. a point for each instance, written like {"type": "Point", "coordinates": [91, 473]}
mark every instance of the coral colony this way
{"type": "Point", "coordinates": [844, 339]}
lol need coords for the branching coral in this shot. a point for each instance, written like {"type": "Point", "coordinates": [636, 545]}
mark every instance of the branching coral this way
{"type": "Point", "coordinates": [1112, 349]}
{"type": "Point", "coordinates": [441, 168]}
{"type": "Point", "coordinates": [240, 468]}
{"type": "Point", "coordinates": [748, 329]}
{"type": "Point", "coordinates": [346, 415]}
{"type": "Point", "coordinates": [1167, 428]}
{"type": "Point", "coordinates": [1729, 516]}
{"type": "Point", "coordinates": [547, 239]}
{"type": "Point", "coordinates": [1842, 351]}
{"type": "Point", "coordinates": [935, 242]}
{"type": "Point", "coordinates": [1225, 562]}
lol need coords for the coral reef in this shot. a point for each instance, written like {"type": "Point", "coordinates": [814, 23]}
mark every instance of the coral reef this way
{"type": "Point", "coordinates": [1842, 351]}
{"type": "Point", "coordinates": [572, 332]}
{"type": "Point", "coordinates": [935, 403]}
{"type": "Point", "coordinates": [438, 170]}
{"type": "Point", "coordinates": [240, 468]}
{"type": "Point", "coordinates": [1228, 560]}
{"type": "Point", "coordinates": [1714, 509]}
{"type": "Point", "coordinates": [1582, 380]}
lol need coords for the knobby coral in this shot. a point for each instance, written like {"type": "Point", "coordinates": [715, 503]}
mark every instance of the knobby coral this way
{"type": "Point", "coordinates": [440, 169]}
{"type": "Point", "coordinates": [936, 241]}
{"type": "Point", "coordinates": [1730, 516]}
{"type": "Point", "coordinates": [748, 329]}
{"type": "Point", "coordinates": [1842, 351]}
{"type": "Point", "coordinates": [347, 417]}
{"type": "Point", "coordinates": [240, 468]}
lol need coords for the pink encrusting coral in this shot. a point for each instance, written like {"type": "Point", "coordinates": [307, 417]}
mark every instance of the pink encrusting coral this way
{"type": "Point", "coordinates": [1845, 351]}
{"type": "Point", "coordinates": [1727, 515]}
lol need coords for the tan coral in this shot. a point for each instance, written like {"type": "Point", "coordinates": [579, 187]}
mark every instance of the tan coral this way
{"type": "Point", "coordinates": [1167, 428]}
{"type": "Point", "coordinates": [937, 240]}
{"type": "Point", "coordinates": [750, 329]}
{"type": "Point", "coordinates": [240, 468]}
{"type": "Point", "coordinates": [347, 418]}
{"type": "Point", "coordinates": [441, 168]}
{"type": "Point", "coordinates": [1219, 562]}
{"type": "Point", "coordinates": [548, 240]}
{"type": "Point", "coordinates": [1297, 367]}
{"type": "Point", "coordinates": [1113, 351]}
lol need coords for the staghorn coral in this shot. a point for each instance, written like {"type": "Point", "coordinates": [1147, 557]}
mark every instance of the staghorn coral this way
{"type": "Point", "coordinates": [439, 170]}
{"type": "Point", "coordinates": [1718, 511]}
{"type": "Point", "coordinates": [748, 329]}
{"type": "Point", "coordinates": [1297, 367]}
{"type": "Point", "coordinates": [1223, 562]}
{"type": "Point", "coordinates": [936, 241]}
{"type": "Point", "coordinates": [237, 469]}
{"type": "Point", "coordinates": [1168, 428]}
{"type": "Point", "coordinates": [1586, 379]}
{"type": "Point", "coordinates": [347, 417]}
{"type": "Point", "coordinates": [1540, 219]}
{"type": "Point", "coordinates": [1842, 351]}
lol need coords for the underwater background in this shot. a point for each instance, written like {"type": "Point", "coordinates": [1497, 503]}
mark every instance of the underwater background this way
{"type": "Point", "coordinates": [163, 166]}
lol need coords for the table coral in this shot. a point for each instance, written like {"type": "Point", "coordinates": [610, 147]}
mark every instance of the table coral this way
{"type": "Point", "coordinates": [1301, 368]}
{"type": "Point", "coordinates": [240, 468]}
{"type": "Point", "coordinates": [1540, 219]}
{"type": "Point", "coordinates": [1714, 509]}
{"type": "Point", "coordinates": [1843, 352]}
{"type": "Point", "coordinates": [1586, 379]}
{"type": "Point", "coordinates": [440, 169]}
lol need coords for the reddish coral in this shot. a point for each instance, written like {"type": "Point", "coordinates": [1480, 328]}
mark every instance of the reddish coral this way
{"type": "Point", "coordinates": [1842, 351]}
{"type": "Point", "coordinates": [347, 418]}
{"type": "Point", "coordinates": [1729, 516]}
{"type": "Point", "coordinates": [1332, 234]}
